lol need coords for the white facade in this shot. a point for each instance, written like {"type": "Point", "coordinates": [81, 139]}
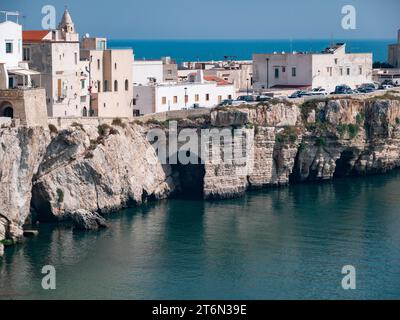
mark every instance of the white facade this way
{"type": "Point", "coordinates": [13, 71]}
{"type": "Point", "coordinates": [329, 69]}
{"type": "Point", "coordinates": [10, 39]}
{"type": "Point", "coordinates": [167, 97]}
{"type": "Point", "coordinates": [144, 70]}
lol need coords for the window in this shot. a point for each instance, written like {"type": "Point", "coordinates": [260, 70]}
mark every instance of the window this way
{"type": "Point", "coordinates": [170, 72]}
{"type": "Point", "coordinates": [82, 84]}
{"type": "Point", "coordinates": [105, 85]}
{"type": "Point", "coordinates": [230, 97]}
{"type": "Point", "coordinates": [98, 64]}
{"type": "Point", "coordinates": [9, 47]}
{"type": "Point", "coordinates": [283, 69]}
{"type": "Point", "coordinates": [175, 99]}
{"type": "Point", "coordinates": [115, 66]}
{"type": "Point", "coordinates": [126, 85]}
{"type": "Point", "coordinates": [98, 86]}
{"type": "Point", "coordinates": [294, 72]}
{"type": "Point", "coordinates": [186, 98]}
{"type": "Point", "coordinates": [115, 85]}
{"type": "Point", "coordinates": [361, 70]}
{"type": "Point", "coordinates": [26, 54]}
{"type": "Point", "coordinates": [329, 70]}
{"type": "Point", "coordinates": [164, 100]}
{"type": "Point", "coordinates": [341, 71]}
{"type": "Point", "coordinates": [76, 57]}
{"type": "Point", "coordinates": [134, 102]}
{"type": "Point", "coordinates": [219, 99]}
{"type": "Point", "coordinates": [336, 61]}
{"type": "Point", "coordinates": [196, 98]}
{"type": "Point", "coordinates": [348, 71]}
{"type": "Point", "coordinates": [207, 97]}
{"type": "Point", "coordinates": [276, 73]}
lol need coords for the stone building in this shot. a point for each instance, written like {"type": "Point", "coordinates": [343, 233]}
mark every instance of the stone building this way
{"type": "Point", "coordinates": [20, 98]}
{"type": "Point", "coordinates": [327, 69]}
{"type": "Point", "coordinates": [394, 53]}
{"type": "Point", "coordinates": [55, 53]}
{"type": "Point", "coordinates": [110, 78]}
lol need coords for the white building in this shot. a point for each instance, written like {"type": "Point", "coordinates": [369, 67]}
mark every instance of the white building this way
{"type": "Point", "coordinates": [147, 71]}
{"type": "Point", "coordinates": [154, 71]}
{"type": "Point", "coordinates": [13, 71]}
{"type": "Point", "coordinates": [328, 69]}
{"type": "Point", "coordinates": [394, 53]}
{"type": "Point", "coordinates": [203, 92]}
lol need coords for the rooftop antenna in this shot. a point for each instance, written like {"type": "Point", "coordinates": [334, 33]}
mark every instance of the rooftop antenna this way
{"type": "Point", "coordinates": [9, 13]}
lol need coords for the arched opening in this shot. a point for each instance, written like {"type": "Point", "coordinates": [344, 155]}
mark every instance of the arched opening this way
{"type": "Point", "coordinates": [85, 112]}
{"type": "Point", "coordinates": [115, 85]}
{"type": "Point", "coordinates": [7, 110]}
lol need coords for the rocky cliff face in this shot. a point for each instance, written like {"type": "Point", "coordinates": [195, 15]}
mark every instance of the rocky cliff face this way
{"type": "Point", "coordinates": [21, 151]}
{"type": "Point", "coordinates": [56, 175]}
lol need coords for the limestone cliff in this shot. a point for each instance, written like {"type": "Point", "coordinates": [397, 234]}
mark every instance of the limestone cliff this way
{"type": "Point", "coordinates": [53, 175]}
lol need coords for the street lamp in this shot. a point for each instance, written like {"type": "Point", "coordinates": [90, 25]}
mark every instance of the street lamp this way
{"type": "Point", "coordinates": [186, 97]}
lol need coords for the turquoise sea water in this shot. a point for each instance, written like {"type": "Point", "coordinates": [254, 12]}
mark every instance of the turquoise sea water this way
{"type": "Point", "coordinates": [193, 50]}
{"type": "Point", "coordinates": [286, 243]}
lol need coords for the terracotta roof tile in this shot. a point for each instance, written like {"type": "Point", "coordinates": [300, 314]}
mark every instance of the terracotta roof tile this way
{"type": "Point", "coordinates": [34, 35]}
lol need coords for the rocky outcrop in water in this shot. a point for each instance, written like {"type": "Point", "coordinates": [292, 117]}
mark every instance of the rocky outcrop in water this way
{"type": "Point", "coordinates": [103, 169]}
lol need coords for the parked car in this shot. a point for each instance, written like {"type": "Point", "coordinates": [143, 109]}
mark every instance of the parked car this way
{"type": "Point", "coordinates": [246, 98]}
{"type": "Point", "coordinates": [227, 102]}
{"type": "Point", "coordinates": [365, 90]}
{"type": "Point", "coordinates": [343, 89]}
{"type": "Point", "coordinates": [263, 98]}
{"type": "Point", "coordinates": [386, 86]}
{"type": "Point", "coordinates": [317, 92]}
{"type": "Point", "coordinates": [298, 94]}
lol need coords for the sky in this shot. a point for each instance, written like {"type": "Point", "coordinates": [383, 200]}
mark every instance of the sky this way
{"type": "Point", "coordinates": [218, 19]}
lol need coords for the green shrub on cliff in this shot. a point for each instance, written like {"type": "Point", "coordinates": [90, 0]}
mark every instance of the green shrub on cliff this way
{"type": "Point", "coordinates": [353, 130]}
{"type": "Point", "coordinates": [320, 142]}
{"type": "Point", "coordinates": [60, 196]}
{"type": "Point", "coordinates": [118, 122]}
{"type": "Point", "coordinates": [287, 136]}
{"type": "Point", "coordinates": [103, 129]}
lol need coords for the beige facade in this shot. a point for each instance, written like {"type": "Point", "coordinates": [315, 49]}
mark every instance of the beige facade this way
{"type": "Point", "coordinates": [328, 69]}
{"type": "Point", "coordinates": [56, 55]}
{"type": "Point", "coordinates": [110, 76]}
{"type": "Point", "coordinates": [394, 53]}
{"type": "Point", "coordinates": [26, 105]}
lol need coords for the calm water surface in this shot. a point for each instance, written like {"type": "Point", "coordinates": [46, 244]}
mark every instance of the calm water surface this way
{"type": "Point", "coordinates": [272, 244]}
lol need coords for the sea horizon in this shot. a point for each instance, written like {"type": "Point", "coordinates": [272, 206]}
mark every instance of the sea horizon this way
{"type": "Point", "coordinates": [217, 49]}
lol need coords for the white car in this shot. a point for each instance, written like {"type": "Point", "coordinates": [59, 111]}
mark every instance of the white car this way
{"type": "Point", "coordinates": [317, 92]}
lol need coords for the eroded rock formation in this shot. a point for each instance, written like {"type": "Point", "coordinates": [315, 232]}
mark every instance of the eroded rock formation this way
{"type": "Point", "coordinates": [102, 169]}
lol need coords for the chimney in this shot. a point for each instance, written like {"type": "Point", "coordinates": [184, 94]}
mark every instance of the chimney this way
{"type": "Point", "coordinates": [199, 76]}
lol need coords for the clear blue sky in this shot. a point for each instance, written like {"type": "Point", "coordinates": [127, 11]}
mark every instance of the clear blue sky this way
{"type": "Point", "coordinates": [219, 19]}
